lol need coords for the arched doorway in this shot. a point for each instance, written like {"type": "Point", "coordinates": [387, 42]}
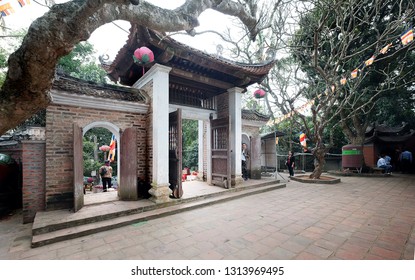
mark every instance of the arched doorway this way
{"type": "Point", "coordinates": [79, 199]}
{"type": "Point", "coordinates": [95, 142]}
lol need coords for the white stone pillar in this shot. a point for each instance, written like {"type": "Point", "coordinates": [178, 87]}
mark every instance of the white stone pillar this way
{"type": "Point", "coordinates": [200, 151]}
{"type": "Point", "coordinates": [158, 75]}
{"type": "Point", "coordinates": [208, 153]}
{"type": "Point", "coordinates": [235, 105]}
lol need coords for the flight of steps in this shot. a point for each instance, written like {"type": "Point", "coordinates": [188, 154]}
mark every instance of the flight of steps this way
{"type": "Point", "coordinates": [55, 226]}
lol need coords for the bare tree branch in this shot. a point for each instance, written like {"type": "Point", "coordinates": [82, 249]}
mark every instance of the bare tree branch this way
{"type": "Point", "coordinates": [32, 66]}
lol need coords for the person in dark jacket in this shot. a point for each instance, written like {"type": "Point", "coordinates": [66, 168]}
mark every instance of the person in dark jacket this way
{"type": "Point", "coordinates": [106, 174]}
{"type": "Point", "coordinates": [244, 157]}
{"type": "Point", "coordinates": [290, 163]}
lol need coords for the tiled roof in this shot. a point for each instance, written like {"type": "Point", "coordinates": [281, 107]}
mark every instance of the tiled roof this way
{"type": "Point", "coordinates": [246, 74]}
{"type": "Point", "coordinates": [273, 134]}
{"type": "Point", "coordinates": [390, 134]}
{"type": "Point", "coordinates": [82, 87]}
{"type": "Point", "coordinates": [254, 116]}
{"type": "Point", "coordinates": [386, 130]}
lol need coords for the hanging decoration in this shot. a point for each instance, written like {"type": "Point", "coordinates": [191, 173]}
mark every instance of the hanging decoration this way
{"type": "Point", "coordinates": [143, 56]}
{"type": "Point", "coordinates": [259, 93]}
{"type": "Point", "coordinates": [6, 10]}
{"type": "Point", "coordinates": [303, 141]}
{"type": "Point", "coordinates": [406, 38]}
{"type": "Point", "coordinates": [370, 60]}
{"type": "Point", "coordinates": [113, 144]}
{"type": "Point", "coordinates": [104, 148]}
{"type": "Point", "coordinates": [7, 7]}
{"type": "Point", "coordinates": [354, 73]}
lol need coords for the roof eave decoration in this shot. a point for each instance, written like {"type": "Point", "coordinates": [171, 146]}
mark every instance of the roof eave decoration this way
{"type": "Point", "coordinates": [168, 49]}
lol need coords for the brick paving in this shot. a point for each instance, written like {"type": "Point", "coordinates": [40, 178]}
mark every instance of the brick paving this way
{"type": "Point", "coordinates": [359, 218]}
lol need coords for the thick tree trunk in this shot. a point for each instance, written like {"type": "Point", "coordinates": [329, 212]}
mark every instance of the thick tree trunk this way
{"type": "Point", "coordinates": [319, 161]}
{"type": "Point", "coordinates": [32, 67]}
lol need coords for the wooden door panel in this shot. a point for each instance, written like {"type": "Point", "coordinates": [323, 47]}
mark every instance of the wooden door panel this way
{"type": "Point", "coordinates": [221, 161]}
{"type": "Point", "coordinates": [128, 165]}
{"type": "Point", "coordinates": [175, 153]}
{"type": "Point", "coordinates": [78, 168]}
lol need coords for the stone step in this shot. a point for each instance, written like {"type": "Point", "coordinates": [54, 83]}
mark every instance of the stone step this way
{"type": "Point", "coordinates": [49, 221]}
{"type": "Point", "coordinates": [59, 231]}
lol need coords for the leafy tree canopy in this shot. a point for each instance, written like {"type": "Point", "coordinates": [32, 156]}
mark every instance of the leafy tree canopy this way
{"type": "Point", "coordinates": [81, 63]}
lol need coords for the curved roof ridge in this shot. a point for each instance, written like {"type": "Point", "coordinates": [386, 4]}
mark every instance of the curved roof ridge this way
{"type": "Point", "coordinates": [257, 69]}
{"type": "Point", "coordinates": [212, 56]}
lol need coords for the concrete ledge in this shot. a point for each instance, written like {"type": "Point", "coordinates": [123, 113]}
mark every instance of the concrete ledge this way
{"type": "Point", "coordinates": [323, 179]}
{"type": "Point", "coordinates": [340, 173]}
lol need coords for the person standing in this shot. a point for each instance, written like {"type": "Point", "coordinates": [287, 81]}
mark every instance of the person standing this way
{"type": "Point", "coordinates": [290, 163]}
{"type": "Point", "coordinates": [244, 157]}
{"type": "Point", "coordinates": [106, 175]}
{"type": "Point", "coordinates": [406, 161]}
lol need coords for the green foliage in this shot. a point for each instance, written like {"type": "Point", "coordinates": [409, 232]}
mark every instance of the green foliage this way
{"type": "Point", "coordinates": [81, 63]}
{"type": "Point", "coordinates": [90, 164]}
{"type": "Point", "coordinates": [103, 135]}
{"type": "Point", "coordinates": [9, 44]}
{"type": "Point", "coordinates": [3, 58]}
{"type": "Point", "coordinates": [3, 64]}
{"type": "Point", "coordinates": [190, 144]}
{"type": "Point", "coordinates": [349, 35]}
{"type": "Point", "coordinates": [93, 157]}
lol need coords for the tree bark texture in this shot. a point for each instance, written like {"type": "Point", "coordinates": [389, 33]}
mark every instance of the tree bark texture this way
{"type": "Point", "coordinates": [319, 161]}
{"type": "Point", "coordinates": [32, 67]}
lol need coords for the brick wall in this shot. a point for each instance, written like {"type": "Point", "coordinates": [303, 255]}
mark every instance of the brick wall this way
{"type": "Point", "coordinates": [149, 141]}
{"type": "Point", "coordinates": [59, 150]}
{"type": "Point", "coordinates": [33, 181]}
{"type": "Point", "coordinates": [15, 151]}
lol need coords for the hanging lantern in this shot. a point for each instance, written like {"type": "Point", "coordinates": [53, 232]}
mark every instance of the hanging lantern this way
{"type": "Point", "coordinates": [143, 56]}
{"type": "Point", "coordinates": [104, 148]}
{"type": "Point", "coordinates": [259, 93]}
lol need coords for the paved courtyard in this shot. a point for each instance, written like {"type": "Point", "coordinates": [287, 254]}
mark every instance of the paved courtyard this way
{"type": "Point", "coordinates": [359, 218]}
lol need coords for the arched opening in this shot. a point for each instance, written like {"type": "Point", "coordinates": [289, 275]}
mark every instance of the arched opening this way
{"type": "Point", "coordinates": [98, 146]}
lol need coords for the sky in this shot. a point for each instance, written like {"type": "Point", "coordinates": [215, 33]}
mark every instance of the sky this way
{"type": "Point", "coordinates": [109, 38]}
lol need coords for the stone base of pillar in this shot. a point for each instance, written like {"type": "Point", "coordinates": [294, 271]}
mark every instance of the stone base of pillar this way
{"type": "Point", "coordinates": [238, 180]}
{"type": "Point", "coordinates": [160, 193]}
{"type": "Point", "coordinates": [200, 176]}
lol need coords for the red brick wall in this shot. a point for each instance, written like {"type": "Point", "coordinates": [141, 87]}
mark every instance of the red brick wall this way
{"type": "Point", "coordinates": [59, 150]}
{"type": "Point", "coordinates": [33, 184]}
{"type": "Point", "coordinates": [15, 151]}
{"type": "Point", "coordinates": [149, 141]}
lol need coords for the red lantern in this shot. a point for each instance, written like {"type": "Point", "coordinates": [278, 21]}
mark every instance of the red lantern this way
{"type": "Point", "coordinates": [143, 55]}
{"type": "Point", "coordinates": [104, 148]}
{"type": "Point", "coordinates": [259, 93]}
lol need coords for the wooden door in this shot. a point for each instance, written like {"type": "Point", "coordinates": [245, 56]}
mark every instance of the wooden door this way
{"type": "Point", "coordinates": [221, 153]}
{"type": "Point", "coordinates": [78, 168]}
{"type": "Point", "coordinates": [175, 153]}
{"type": "Point", "coordinates": [128, 165]}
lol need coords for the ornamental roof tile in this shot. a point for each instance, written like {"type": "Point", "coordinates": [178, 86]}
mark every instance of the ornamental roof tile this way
{"type": "Point", "coordinates": [81, 87]}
